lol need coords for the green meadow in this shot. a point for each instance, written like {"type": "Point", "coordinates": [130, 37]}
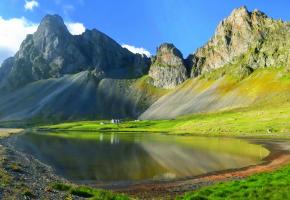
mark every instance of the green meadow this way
{"type": "Point", "coordinates": [261, 120]}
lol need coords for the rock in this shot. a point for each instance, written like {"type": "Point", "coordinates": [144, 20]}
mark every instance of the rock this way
{"type": "Point", "coordinates": [168, 69]}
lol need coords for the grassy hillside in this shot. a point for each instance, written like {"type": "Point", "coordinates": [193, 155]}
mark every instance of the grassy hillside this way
{"type": "Point", "coordinates": [219, 92]}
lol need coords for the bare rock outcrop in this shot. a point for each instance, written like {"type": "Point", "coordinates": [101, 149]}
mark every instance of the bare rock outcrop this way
{"type": "Point", "coordinates": [168, 69]}
{"type": "Point", "coordinates": [235, 36]}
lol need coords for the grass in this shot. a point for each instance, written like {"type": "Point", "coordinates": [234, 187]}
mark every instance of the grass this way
{"type": "Point", "coordinates": [273, 185]}
{"type": "Point", "coordinates": [87, 192]}
{"type": "Point", "coordinates": [264, 119]}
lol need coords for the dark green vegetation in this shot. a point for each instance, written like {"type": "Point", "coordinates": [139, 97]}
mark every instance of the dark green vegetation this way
{"type": "Point", "coordinates": [87, 192]}
{"type": "Point", "coordinates": [270, 185]}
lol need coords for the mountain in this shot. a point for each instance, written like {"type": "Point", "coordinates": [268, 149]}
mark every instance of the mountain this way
{"type": "Point", "coordinates": [56, 76]}
{"type": "Point", "coordinates": [245, 62]}
{"type": "Point", "coordinates": [52, 52]}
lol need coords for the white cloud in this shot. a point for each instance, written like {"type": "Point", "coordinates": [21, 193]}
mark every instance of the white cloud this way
{"type": "Point", "coordinates": [76, 28]}
{"type": "Point", "coordinates": [13, 32]}
{"type": "Point", "coordinates": [30, 5]}
{"type": "Point", "coordinates": [137, 50]}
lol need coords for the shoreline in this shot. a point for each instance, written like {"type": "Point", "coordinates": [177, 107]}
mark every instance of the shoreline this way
{"type": "Point", "coordinates": [274, 136]}
{"type": "Point", "coordinates": [6, 132]}
{"type": "Point", "coordinates": [23, 176]}
{"type": "Point", "coordinates": [157, 189]}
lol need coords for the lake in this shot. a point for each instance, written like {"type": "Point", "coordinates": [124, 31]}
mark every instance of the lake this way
{"type": "Point", "coordinates": [125, 157]}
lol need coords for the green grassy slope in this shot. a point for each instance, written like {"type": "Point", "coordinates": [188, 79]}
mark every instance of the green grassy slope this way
{"type": "Point", "coordinates": [274, 185]}
{"type": "Point", "coordinates": [213, 93]}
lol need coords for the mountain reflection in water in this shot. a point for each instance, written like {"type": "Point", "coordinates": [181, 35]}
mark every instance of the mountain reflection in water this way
{"type": "Point", "coordinates": [108, 157]}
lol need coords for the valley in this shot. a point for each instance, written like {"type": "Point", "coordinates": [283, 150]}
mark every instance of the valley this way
{"type": "Point", "coordinates": [83, 117]}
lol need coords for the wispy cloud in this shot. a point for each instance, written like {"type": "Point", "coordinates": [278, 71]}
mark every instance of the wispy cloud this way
{"type": "Point", "coordinates": [31, 4]}
{"type": "Point", "coordinates": [16, 30]}
{"type": "Point", "coordinates": [139, 50]}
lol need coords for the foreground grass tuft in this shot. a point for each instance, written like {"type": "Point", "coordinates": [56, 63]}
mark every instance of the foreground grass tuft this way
{"type": "Point", "coordinates": [87, 192]}
{"type": "Point", "coordinates": [273, 185]}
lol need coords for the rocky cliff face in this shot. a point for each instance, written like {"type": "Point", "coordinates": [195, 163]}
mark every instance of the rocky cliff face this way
{"type": "Point", "coordinates": [242, 32]}
{"type": "Point", "coordinates": [52, 52]}
{"type": "Point", "coordinates": [168, 69]}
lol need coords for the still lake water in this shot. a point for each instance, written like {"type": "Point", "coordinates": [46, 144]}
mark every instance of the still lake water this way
{"type": "Point", "coordinates": [111, 157]}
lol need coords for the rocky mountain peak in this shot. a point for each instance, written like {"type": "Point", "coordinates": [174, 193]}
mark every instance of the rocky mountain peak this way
{"type": "Point", "coordinates": [168, 69]}
{"type": "Point", "coordinates": [52, 36]}
{"type": "Point", "coordinates": [52, 24]}
{"type": "Point", "coordinates": [242, 18]}
{"type": "Point", "coordinates": [168, 55]}
{"type": "Point", "coordinates": [240, 12]}
{"type": "Point", "coordinates": [233, 37]}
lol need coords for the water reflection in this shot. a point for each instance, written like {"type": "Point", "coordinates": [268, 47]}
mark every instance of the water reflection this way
{"type": "Point", "coordinates": [125, 157]}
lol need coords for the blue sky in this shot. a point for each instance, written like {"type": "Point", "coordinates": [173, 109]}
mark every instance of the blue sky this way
{"type": "Point", "coordinates": [186, 23]}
